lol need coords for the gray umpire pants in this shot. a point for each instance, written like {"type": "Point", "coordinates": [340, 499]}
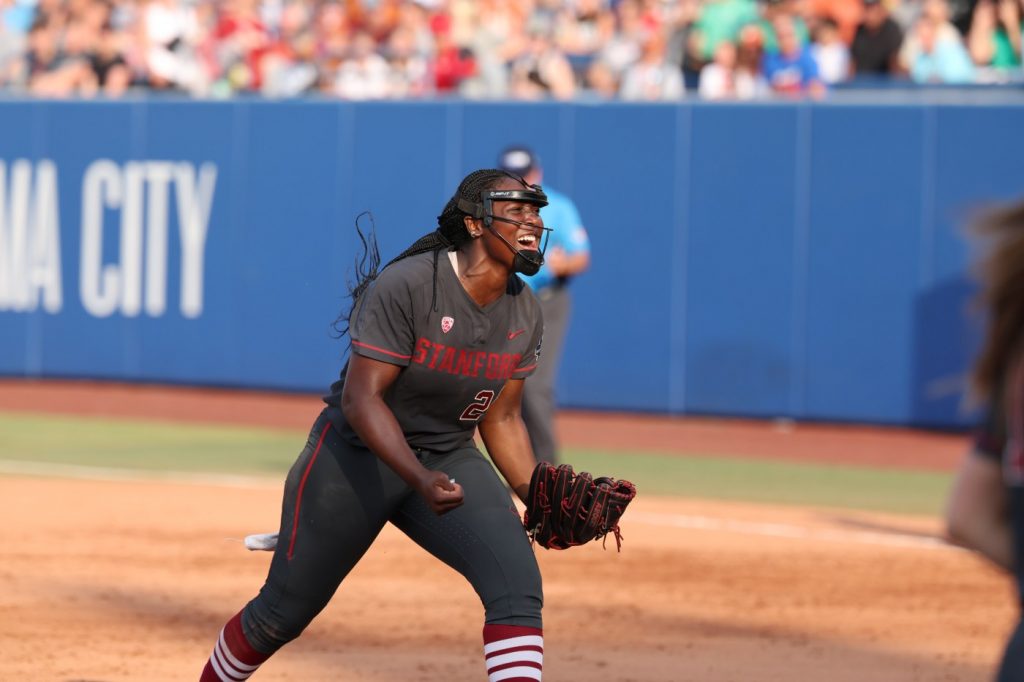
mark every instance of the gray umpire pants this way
{"type": "Point", "coordinates": [539, 405]}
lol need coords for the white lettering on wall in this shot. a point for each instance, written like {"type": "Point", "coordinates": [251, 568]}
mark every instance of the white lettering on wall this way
{"type": "Point", "coordinates": [131, 238]}
{"type": "Point", "coordinates": [99, 284]}
{"type": "Point", "coordinates": [195, 198]}
{"type": "Point", "coordinates": [141, 192]}
{"type": "Point", "coordinates": [30, 266]}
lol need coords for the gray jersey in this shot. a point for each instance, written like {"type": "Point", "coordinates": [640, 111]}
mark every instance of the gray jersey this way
{"type": "Point", "coordinates": [456, 358]}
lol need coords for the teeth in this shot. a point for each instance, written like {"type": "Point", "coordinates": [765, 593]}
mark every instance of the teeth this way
{"type": "Point", "coordinates": [527, 239]}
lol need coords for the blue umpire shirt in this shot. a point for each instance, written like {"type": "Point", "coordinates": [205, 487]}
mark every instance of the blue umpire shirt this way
{"type": "Point", "coordinates": [568, 234]}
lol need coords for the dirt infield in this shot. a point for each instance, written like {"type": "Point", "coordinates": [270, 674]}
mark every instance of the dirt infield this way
{"type": "Point", "coordinates": [108, 580]}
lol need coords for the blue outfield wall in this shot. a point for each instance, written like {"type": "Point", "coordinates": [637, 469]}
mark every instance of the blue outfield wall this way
{"type": "Point", "coordinates": [772, 260]}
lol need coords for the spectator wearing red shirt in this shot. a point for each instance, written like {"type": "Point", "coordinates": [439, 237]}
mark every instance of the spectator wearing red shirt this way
{"type": "Point", "coordinates": [242, 40]}
{"type": "Point", "coordinates": [452, 63]}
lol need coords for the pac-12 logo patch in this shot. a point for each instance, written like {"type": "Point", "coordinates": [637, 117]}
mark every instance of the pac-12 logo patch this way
{"type": "Point", "coordinates": [447, 323]}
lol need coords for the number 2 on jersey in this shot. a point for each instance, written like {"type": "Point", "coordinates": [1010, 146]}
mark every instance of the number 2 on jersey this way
{"type": "Point", "coordinates": [478, 407]}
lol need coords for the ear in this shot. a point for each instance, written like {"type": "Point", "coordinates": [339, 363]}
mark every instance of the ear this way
{"type": "Point", "coordinates": [472, 226]}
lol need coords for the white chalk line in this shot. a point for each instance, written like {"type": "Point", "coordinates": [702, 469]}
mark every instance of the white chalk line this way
{"type": "Point", "coordinates": [94, 473]}
{"type": "Point", "coordinates": [685, 521]}
{"type": "Point", "coordinates": [791, 531]}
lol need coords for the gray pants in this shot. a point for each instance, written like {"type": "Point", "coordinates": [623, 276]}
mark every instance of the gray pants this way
{"type": "Point", "coordinates": [539, 405]}
{"type": "Point", "coordinates": [338, 497]}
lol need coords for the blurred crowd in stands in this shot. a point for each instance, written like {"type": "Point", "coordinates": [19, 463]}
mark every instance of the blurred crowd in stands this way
{"type": "Point", "coordinates": [502, 49]}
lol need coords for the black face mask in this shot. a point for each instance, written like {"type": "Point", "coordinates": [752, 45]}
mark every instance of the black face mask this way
{"type": "Point", "coordinates": [526, 261]}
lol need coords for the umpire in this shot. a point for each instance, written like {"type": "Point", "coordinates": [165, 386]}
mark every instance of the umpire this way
{"type": "Point", "coordinates": [567, 255]}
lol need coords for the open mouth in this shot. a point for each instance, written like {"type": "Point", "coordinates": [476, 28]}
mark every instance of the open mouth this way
{"type": "Point", "coordinates": [527, 241]}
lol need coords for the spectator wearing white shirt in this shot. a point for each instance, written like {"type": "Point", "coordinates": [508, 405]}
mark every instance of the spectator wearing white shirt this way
{"type": "Point", "coordinates": [718, 78]}
{"type": "Point", "coordinates": [830, 52]}
{"type": "Point", "coordinates": [653, 78]}
{"type": "Point", "coordinates": [364, 74]}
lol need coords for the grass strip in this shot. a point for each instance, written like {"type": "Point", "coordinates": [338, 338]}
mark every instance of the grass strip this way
{"type": "Point", "coordinates": [197, 448]}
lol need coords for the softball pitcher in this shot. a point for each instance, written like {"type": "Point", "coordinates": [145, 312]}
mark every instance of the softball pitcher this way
{"type": "Point", "coordinates": [441, 341]}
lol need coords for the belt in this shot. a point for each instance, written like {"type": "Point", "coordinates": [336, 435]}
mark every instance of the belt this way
{"type": "Point", "coordinates": [423, 452]}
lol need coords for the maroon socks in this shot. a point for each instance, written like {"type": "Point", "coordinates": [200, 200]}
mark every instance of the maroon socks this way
{"type": "Point", "coordinates": [513, 653]}
{"type": "Point", "coordinates": [233, 658]}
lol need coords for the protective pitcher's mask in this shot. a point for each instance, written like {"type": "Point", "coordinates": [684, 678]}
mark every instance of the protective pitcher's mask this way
{"type": "Point", "coordinates": [526, 261]}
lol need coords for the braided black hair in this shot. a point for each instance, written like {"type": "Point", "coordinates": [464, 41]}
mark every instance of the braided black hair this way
{"type": "Point", "coordinates": [451, 231]}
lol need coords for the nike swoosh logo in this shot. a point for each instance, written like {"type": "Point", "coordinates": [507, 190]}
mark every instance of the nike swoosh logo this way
{"type": "Point", "coordinates": [512, 335]}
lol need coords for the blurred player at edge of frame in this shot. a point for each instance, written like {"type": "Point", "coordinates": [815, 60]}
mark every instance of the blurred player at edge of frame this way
{"type": "Point", "coordinates": [441, 340]}
{"type": "Point", "coordinates": [568, 255]}
{"type": "Point", "coordinates": [986, 507]}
